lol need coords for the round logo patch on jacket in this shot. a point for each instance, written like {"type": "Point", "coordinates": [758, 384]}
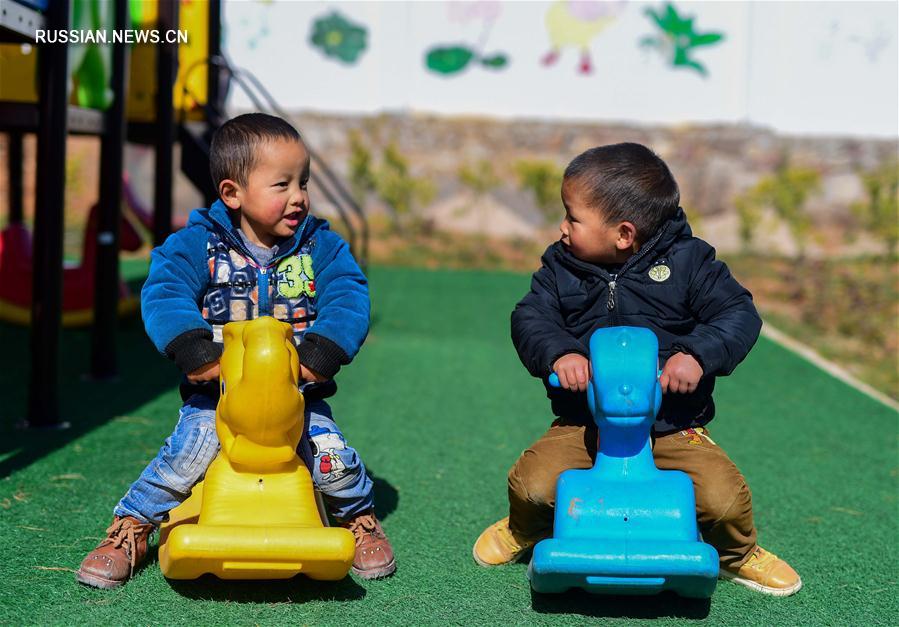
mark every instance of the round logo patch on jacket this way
{"type": "Point", "coordinates": [659, 273]}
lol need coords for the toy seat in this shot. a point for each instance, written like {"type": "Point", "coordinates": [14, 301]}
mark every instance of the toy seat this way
{"type": "Point", "coordinates": [624, 526]}
{"type": "Point", "coordinates": [254, 516]}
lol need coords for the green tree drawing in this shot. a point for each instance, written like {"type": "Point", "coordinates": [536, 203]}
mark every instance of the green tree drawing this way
{"type": "Point", "coordinates": [677, 38]}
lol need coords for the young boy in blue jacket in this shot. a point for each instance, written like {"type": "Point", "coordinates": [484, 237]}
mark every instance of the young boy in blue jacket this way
{"type": "Point", "coordinates": [255, 252]}
{"type": "Point", "coordinates": [627, 257]}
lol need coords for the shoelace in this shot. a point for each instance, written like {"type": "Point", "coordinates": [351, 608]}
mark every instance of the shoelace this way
{"type": "Point", "coordinates": [505, 536]}
{"type": "Point", "coordinates": [365, 525]}
{"type": "Point", "coordinates": [761, 559]}
{"type": "Point", "coordinates": [121, 533]}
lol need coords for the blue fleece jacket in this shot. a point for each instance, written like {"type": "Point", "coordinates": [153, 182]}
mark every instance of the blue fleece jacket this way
{"type": "Point", "coordinates": [204, 276]}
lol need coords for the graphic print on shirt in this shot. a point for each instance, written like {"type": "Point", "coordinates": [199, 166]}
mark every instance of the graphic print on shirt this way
{"type": "Point", "coordinates": [233, 291]}
{"type": "Point", "coordinates": [296, 277]}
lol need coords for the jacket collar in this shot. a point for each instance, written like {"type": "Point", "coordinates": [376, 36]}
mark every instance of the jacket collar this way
{"type": "Point", "coordinates": [220, 216]}
{"type": "Point", "coordinates": [672, 230]}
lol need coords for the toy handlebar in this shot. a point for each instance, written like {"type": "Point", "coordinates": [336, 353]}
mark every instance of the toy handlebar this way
{"type": "Point", "coordinates": [554, 379]}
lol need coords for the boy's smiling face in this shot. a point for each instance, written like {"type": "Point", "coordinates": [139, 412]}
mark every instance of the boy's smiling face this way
{"type": "Point", "coordinates": [274, 201]}
{"type": "Point", "coordinates": [586, 233]}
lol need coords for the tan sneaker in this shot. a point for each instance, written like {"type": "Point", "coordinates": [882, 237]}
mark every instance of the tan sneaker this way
{"type": "Point", "coordinates": [374, 555]}
{"type": "Point", "coordinates": [766, 573]}
{"type": "Point", "coordinates": [113, 562]}
{"type": "Point", "coordinates": [497, 545]}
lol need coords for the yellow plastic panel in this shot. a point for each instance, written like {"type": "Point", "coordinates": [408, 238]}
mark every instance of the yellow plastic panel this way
{"type": "Point", "coordinates": [18, 73]}
{"type": "Point", "coordinates": [191, 84]}
{"type": "Point", "coordinates": [193, 17]}
{"type": "Point", "coordinates": [255, 516]}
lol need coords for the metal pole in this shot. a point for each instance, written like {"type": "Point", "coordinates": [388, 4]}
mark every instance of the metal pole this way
{"type": "Point", "coordinates": [213, 76]}
{"type": "Point", "coordinates": [106, 271]}
{"type": "Point", "coordinates": [214, 105]}
{"type": "Point", "coordinates": [15, 171]}
{"type": "Point", "coordinates": [46, 305]}
{"type": "Point", "coordinates": [166, 72]}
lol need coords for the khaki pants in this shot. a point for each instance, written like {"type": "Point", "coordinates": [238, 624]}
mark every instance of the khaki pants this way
{"type": "Point", "coordinates": [723, 501]}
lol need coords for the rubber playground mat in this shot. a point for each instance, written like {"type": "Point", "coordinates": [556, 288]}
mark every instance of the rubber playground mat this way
{"type": "Point", "coordinates": [439, 407]}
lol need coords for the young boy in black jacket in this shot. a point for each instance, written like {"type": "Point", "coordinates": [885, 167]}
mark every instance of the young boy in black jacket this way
{"type": "Point", "coordinates": [627, 257]}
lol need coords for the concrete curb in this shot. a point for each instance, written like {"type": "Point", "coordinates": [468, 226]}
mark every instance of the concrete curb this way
{"type": "Point", "coordinates": [794, 346]}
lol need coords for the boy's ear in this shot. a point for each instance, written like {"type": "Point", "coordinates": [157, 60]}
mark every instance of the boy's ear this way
{"type": "Point", "coordinates": [627, 236]}
{"type": "Point", "coordinates": [229, 193]}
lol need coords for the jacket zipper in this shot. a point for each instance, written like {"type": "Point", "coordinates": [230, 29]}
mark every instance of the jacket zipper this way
{"type": "Point", "coordinates": [612, 302]}
{"type": "Point", "coordinates": [262, 285]}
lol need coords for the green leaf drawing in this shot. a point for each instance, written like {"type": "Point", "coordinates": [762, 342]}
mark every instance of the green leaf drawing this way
{"type": "Point", "coordinates": [496, 61]}
{"type": "Point", "coordinates": [449, 60]}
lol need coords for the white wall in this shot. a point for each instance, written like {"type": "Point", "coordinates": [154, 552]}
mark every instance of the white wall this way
{"type": "Point", "coordinates": [799, 67]}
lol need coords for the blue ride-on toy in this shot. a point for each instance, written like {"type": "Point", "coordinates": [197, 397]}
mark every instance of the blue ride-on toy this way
{"type": "Point", "coordinates": [624, 526]}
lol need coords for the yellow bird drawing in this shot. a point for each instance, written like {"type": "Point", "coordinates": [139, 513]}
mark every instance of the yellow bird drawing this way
{"type": "Point", "coordinates": [575, 23]}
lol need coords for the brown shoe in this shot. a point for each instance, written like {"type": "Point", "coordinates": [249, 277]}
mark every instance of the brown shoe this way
{"type": "Point", "coordinates": [113, 562]}
{"type": "Point", "coordinates": [374, 555]}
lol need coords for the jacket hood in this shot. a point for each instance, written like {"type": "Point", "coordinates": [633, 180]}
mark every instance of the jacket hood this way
{"type": "Point", "coordinates": [674, 229]}
{"type": "Point", "coordinates": [218, 217]}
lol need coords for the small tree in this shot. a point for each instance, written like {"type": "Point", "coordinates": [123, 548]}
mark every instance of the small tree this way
{"type": "Point", "coordinates": [878, 213]}
{"type": "Point", "coordinates": [399, 189]}
{"type": "Point", "coordinates": [479, 178]}
{"type": "Point", "coordinates": [362, 178]}
{"type": "Point", "coordinates": [544, 179]}
{"type": "Point", "coordinates": [749, 212]}
{"type": "Point", "coordinates": [786, 192]}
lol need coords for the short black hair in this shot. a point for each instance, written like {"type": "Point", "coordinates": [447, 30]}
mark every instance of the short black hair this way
{"type": "Point", "coordinates": [627, 182]}
{"type": "Point", "coordinates": [232, 152]}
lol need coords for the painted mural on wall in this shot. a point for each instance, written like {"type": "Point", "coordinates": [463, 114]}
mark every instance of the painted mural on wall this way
{"type": "Point", "coordinates": [677, 38]}
{"type": "Point", "coordinates": [339, 38]}
{"type": "Point", "coordinates": [853, 36]}
{"type": "Point", "coordinates": [575, 24]}
{"type": "Point", "coordinates": [449, 59]}
{"type": "Point", "coordinates": [728, 61]}
{"type": "Point", "coordinates": [256, 30]}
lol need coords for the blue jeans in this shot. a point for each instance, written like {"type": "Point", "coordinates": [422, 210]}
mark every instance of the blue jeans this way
{"type": "Point", "coordinates": [337, 469]}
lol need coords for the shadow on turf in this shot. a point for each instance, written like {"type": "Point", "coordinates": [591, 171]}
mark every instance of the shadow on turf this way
{"type": "Point", "coordinates": [386, 496]}
{"type": "Point", "coordinates": [296, 590]}
{"type": "Point", "coordinates": [84, 403]}
{"type": "Point", "coordinates": [667, 605]}
{"type": "Point", "coordinates": [87, 404]}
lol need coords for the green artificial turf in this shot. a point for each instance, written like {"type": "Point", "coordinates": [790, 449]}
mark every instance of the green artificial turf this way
{"type": "Point", "coordinates": [439, 407]}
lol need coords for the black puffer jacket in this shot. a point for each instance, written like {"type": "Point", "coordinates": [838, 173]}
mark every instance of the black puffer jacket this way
{"type": "Point", "coordinates": [673, 286]}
